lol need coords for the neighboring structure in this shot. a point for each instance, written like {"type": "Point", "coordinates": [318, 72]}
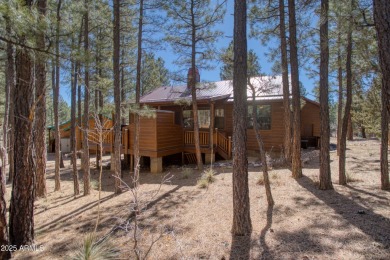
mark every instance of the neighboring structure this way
{"type": "Point", "coordinates": [171, 132]}
{"type": "Point", "coordinates": [107, 125]}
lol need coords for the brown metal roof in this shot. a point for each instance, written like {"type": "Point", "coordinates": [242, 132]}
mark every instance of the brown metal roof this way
{"type": "Point", "coordinates": [266, 88]}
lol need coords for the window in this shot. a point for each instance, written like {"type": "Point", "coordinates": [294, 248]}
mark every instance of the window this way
{"type": "Point", "coordinates": [187, 119]}
{"type": "Point", "coordinates": [219, 121]}
{"type": "Point", "coordinates": [203, 118]}
{"type": "Point", "coordinates": [263, 117]}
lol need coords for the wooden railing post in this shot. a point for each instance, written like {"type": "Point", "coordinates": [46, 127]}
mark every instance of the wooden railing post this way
{"type": "Point", "coordinates": [126, 142]}
{"type": "Point", "coordinates": [216, 136]}
{"type": "Point", "coordinates": [230, 147]}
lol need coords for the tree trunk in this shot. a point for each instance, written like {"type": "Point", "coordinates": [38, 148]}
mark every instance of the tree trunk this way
{"type": "Point", "coordinates": [10, 85]}
{"type": "Point", "coordinates": [138, 94]}
{"type": "Point", "coordinates": [4, 240]}
{"type": "Point", "coordinates": [296, 97]}
{"type": "Point", "coordinates": [40, 112]}
{"type": "Point", "coordinates": [348, 103]}
{"type": "Point", "coordinates": [127, 157]}
{"type": "Point", "coordinates": [117, 97]}
{"type": "Point", "coordinates": [382, 25]}
{"type": "Point", "coordinates": [385, 182]}
{"type": "Point", "coordinates": [350, 128]}
{"type": "Point", "coordinates": [241, 207]}
{"type": "Point", "coordinates": [286, 86]}
{"type": "Point", "coordinates": [85, 161]}
{"type": "Point", "coordinates": [73, 143]}
{"type": "Point", "coordinates": [23, 186]}
{"type": "Point", "coordinates": [325, 172]}
{"type": "Point", "coordinates": [340, 82]}
{"type": "Point", "coordinates": [56, 94]}
{"type": "Point", "coordinates": [98, 103]}
{"type": "Point", "coordinates": [193, 91]}
{"type": "Point", "coordinates": [122, 84]}
{"type": "Point", "coordinates": [79, 98]}
{"type": "Point", "coordinates": [260, 142]}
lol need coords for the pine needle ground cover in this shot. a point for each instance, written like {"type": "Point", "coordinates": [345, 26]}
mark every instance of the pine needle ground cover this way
{"type": "Point", "coordinates": [185, 222]}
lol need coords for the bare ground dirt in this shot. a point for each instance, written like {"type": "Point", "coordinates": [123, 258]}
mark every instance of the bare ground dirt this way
{"type": "Point", "coordinates": [186, 222]}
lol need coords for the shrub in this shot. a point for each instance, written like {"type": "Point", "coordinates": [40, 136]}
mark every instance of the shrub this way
{"type": "Point", "coordinates": [202, 183]}
{"type": "Point", "coordinates": [187, 172]}
{"type": "Point", "coordinates": [90, 249]}
{"type": "Point", "coordinates": [207, 177]}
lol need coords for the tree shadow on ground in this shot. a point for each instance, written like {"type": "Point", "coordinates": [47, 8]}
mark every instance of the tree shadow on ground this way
{"type": "Point", "coordinates": [169, 200]}
{"type": "Point", "coordinates": [266, 253]}
{"type": "Point", "coordinates": [382, 198]}
{"type": "Point", "coordinates": [52, 224]}
{"type": "Point", "coordinates": [357, 215]}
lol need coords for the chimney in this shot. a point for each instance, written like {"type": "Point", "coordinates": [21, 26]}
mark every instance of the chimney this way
{"type": "Point", "coordinates": [190, 75]}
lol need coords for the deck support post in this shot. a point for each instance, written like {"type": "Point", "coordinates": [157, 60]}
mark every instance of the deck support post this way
{"type": "Point", "coordinates": [212, 118]}
{"type": "Point", "coordinates": [156, 165]}
{"type": "Point", "coordinates": [209, 158]}
{"type": "Point", "coordinates": [131, 163]}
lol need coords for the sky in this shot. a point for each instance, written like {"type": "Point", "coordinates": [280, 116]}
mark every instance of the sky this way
{"type": "Point", "coordinates": [213, 75]}
{"type": "Point", "coordinates": [227, 28]}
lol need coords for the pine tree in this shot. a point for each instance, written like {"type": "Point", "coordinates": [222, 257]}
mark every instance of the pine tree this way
{"type": "Point", "coordinates": [85, 159]}
{"type": "Point", "coordinates": [40, 112]}
{"type": "Point", "coordinates": [296, 96]}
{"type": "Point", "coordinates": [192, 37]}
{"type": "Point", "coordinates": [285, 81]}
{"type": "Point", "coordinates": [21, 224]}
{"type": "Point", "coordinates": [325, 172]}
{"type": "Point", "coordinates": [226, 70]}
{"type": "Point", "coordinates": [154, 73]}
{"type": "Point", "coordinates": [348, 103]}
{"type": "Point", "coordinates": [56, 95]}
{"type": "Point", "coordinates": [382, 18]}
{"type": "Point", "coordinates": [117, 97]}
{"type": "Point", "coordinates": [241, 207]}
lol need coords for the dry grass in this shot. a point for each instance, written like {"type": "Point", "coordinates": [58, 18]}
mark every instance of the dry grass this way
{"type": "Point", "coordinates": [208, 177]}
{"type": "Point", "coordinates": [185, 222]}
{"type": "Point", "coordinates": [260, 181]}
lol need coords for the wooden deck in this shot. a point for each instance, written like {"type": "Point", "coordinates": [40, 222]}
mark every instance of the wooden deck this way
{"type": "Point", "coordinates": [160, 136]}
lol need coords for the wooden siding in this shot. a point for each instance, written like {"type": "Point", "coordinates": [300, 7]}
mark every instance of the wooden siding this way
{"type": "Point", "coordinates": [310, 119]}
{"type": "Point", "coordinates": [159, 136]}
{"type": "Point", "coordinates": [228, 113]}
{"type": "Point", "coordinates": [273, 138]}
{"type": "Point", "coordinates": [169, 135]}
{"type": "Point", "coordinates": [147, 138]}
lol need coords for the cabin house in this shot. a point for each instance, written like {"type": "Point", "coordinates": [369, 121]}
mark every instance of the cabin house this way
{"type": "Point", "coordinates": [105, 126]}
{"type": "Point", "coordinates": [171, 130]}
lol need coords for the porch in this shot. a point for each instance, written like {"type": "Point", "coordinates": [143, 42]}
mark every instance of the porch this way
{"type": "Point", "coordinates": [159, 137]}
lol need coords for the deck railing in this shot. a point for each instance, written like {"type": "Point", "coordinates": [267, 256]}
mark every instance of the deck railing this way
{"type": "Point", "coordinates": [189, 138]}
{"type": "Point", "coordinates": [224, 144]}
{"type": "Point", "coordinates": [220, 141]}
